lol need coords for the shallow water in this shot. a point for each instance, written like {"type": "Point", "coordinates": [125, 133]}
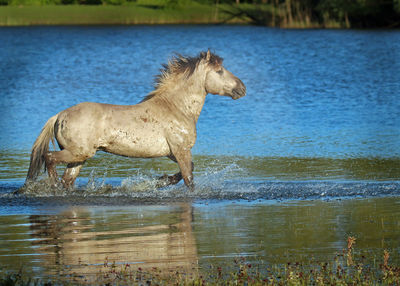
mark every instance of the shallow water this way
{"type": "Point", "coordinates": [310, 156]}
{"type": "Point", "coordinates": [320, 104]}
{"type": "Point", "coordinates": [50, 239]}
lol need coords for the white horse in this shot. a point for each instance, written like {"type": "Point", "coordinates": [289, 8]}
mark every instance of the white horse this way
{"type": "Point", "coordinates": [162, 125]}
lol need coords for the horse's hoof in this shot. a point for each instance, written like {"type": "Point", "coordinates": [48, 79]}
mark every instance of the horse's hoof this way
{"type": "Point", "coordinates": [19, 191]}
{"type": "Point", "coordinates": [162, 181]}
{"type": "Point", "coordinates": [191, 187]}
{"type": "Point", "coordinates": [164, 177]}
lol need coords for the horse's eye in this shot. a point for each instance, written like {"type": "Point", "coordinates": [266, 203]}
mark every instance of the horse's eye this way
{"type": "Point", "coordinates": [220, 72]}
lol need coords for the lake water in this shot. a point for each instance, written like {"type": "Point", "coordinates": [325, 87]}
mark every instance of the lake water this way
{"type": "Point", "coordinates": [320, 123]}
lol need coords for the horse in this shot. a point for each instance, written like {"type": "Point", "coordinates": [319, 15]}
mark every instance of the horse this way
{"type": "Point", "coordinates": [163, 124]}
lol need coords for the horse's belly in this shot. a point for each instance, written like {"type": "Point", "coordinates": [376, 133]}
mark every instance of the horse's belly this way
{"type": "Point", "coordinates": [138, 147]}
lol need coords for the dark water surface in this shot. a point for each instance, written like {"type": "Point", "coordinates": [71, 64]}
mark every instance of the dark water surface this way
{"type": "Point", "coordinates": [321, 120]}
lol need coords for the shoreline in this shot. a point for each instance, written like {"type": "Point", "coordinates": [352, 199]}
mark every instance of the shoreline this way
{"type": "Point", "coordinates": [75, 15]}
{"type": "Point", "coordinates": [138, 14]}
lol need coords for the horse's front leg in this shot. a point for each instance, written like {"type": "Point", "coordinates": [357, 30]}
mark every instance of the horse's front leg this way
{"type": "Point", "coordinates": [171, 180]}
{"type": "Point", "coordinates": [184, 160]}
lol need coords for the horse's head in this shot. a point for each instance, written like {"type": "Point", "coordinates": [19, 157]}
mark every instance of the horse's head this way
{"type": "Point", "coordinates": [221, 81]}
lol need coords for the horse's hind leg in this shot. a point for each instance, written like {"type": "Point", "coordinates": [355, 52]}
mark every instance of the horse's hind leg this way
{"type": "Point", "coordinates": [51, 164]}
{"type": "Point", "coordinates": [70, 174]}
{"type": "Point", "coordinates": [74, 162]}
{"type": "Point", "coordinates": [166, 180]}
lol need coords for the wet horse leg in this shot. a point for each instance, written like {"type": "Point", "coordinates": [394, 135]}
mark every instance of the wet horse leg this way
{"type": "Point", "coordinates": [171, 180]}
{"type": "Point", "coordinates": [74, 162]}
{"type": "Point", "coordinates": [184, 160]}
{"type": "Point", "coordinates": [166, 180]}
{"type": "Point", "coordinates": [70, 174]}
{"type": "Point", "coordinates": [51, 163]}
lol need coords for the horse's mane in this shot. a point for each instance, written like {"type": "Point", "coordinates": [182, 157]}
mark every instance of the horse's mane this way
{"type": "Point", "coordinates": [180, 65]}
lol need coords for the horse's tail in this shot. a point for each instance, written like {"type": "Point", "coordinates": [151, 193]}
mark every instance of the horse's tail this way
{"type": "Point", "coordinates": [40, 148]}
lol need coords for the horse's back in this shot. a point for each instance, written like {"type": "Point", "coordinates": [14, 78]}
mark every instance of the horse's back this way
{"type": "Point", "coordinates": [120, 129]}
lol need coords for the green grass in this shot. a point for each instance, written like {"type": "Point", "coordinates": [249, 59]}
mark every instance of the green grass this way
{"type": "Point", "coordinates": [129, 14]}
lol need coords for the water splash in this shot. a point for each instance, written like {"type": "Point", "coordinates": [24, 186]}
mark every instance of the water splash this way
{"type": "Point", "coordinates": [42, 188]}
{"type": "Point", "coordinates": [216, 182]}
{"type": "Point", "coordinates": [95, 182]}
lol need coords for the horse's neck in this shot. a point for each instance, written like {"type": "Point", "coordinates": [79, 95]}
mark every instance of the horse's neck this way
{"type": "Point", "coordinates": [191, 102]}
{"type": "Point", "coordinates": [187, 97]}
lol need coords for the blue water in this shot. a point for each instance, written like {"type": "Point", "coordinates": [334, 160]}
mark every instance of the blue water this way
{"type": "Point", "coordinates": [320, 124]}
{"type": "Point", "coordinates": [311, 93]}
{"type": "Point", "coordinates": [320, 104]}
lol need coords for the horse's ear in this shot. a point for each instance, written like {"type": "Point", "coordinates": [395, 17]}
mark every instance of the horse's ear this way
{"type": "Point", "coordinates": [208, 56]}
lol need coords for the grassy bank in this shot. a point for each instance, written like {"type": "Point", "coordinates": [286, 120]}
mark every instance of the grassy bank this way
{"type": "Point", "coordinates": [276, 13]}
{"type": "Point", "coordinates": [283, 14]}
{"type": "Point", "coordinates": [346, 268]}
{"type": "Point", "coordinates": [110, 15]}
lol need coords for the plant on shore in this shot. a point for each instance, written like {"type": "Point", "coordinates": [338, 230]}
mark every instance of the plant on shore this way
{"type": "Point", "coordinates": [320, 13]}
{"type": "Point", "coordinates": [347, 268]}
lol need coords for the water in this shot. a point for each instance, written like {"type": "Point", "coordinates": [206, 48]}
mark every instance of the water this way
{"type": "Point", "coordinates": [76, 242]}
{"type": "Point", "coordinates": [330, 94]}
{"type": "Point", "coordinates": [320, 123]}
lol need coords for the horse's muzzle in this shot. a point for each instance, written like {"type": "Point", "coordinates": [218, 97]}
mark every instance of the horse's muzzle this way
{"type": "Point", "coordinates": [239, 91]}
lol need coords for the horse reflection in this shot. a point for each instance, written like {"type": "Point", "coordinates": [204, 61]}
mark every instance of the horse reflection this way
{"type": "Point", "coordinates": [78, 243]}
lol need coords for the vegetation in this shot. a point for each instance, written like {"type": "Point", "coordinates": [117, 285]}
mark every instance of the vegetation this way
{"type": "Point", "coordinates": [347, 268]}
{"type": "Point", "coordinates": [126, 14]}
{"type": "Point", "coordinates": [323, 13]}
{"type": "Point", "coordinates": [275, 13]}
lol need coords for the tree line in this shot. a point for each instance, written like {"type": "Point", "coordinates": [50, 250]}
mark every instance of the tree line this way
{"type": "Point", "coordinates": [321, 13]}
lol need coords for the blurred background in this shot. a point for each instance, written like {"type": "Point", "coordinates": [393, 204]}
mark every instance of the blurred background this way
{"type": "Point", "coordinates": [273, 13]}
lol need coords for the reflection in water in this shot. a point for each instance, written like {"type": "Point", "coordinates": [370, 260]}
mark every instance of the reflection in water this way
{"type": "Point", "coordinates": [323, 106]}
{"type": "Point", "coordinates": [296, 231]}
{"type": "Point", "coordinates": [75, 243]}
{"type": "Point", "coordinates": [78, 242]}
